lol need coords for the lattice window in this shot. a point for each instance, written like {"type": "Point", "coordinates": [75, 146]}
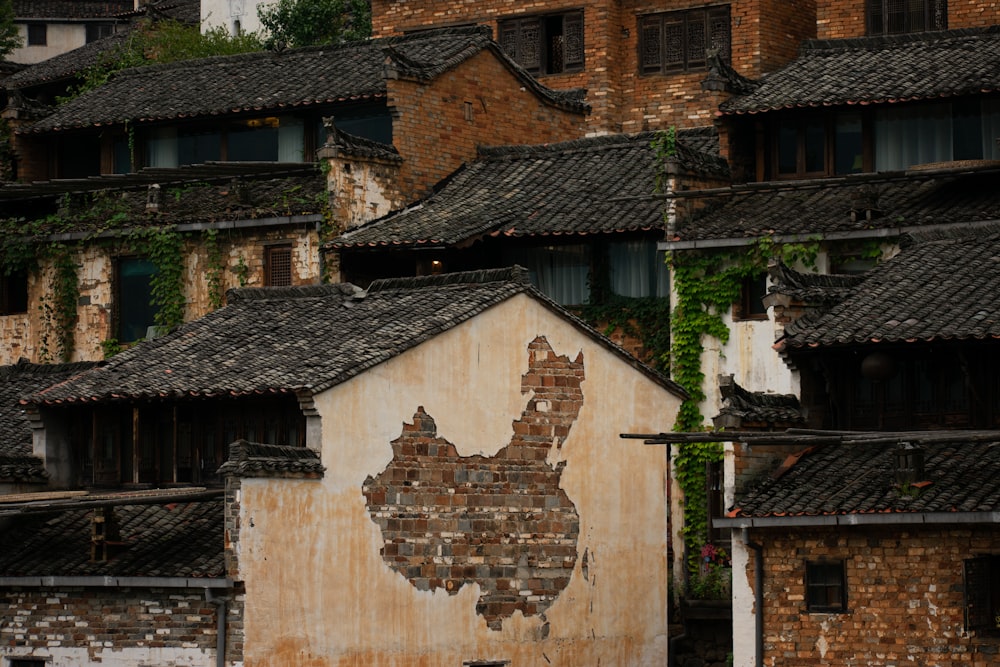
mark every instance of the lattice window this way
{"type": "Point", "coordinates": [893, 17]}
{"type": "Point", "coordinates": [680, 41]}
{"type": "Point", "coordinates": [826, 586]}
{"type": "Point", "coordinates": [545, 44]}
{"type": "Point", "coordinates": [278, 266]}
{"type": "Point", "coordinates": [982, 594]}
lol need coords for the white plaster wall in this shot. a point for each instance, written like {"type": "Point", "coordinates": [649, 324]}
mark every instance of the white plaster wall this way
{"type": "Point", "coordinates": [226, 13]}
{"type": "Point", "coordinates": [744, 611]}
{"type": "Point", "coordinates": [128, 657]}
{"type": "Point", "coordinates": [59, 38]}
{"type": "Point", "coordinates": [318, 590]}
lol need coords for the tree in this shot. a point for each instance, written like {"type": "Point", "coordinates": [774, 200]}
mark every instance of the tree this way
{"type": "Point", "coordinates": [315, 22]}
{"type": "Point", "coordinates": [10, 39]}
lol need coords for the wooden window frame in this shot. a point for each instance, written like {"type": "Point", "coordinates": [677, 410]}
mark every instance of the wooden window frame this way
{"type": "Point", "coordinates": [746, 308]}
{"type": "Point", "coordinates": [981, 598]}
{"type": "Point", "coordinates": [800, 123]}
{"type": "Point", "coordinates": [273, 271]}
{"type": "Point", "coordinates": [96, 31]}
{"type": "Point", "coordinates": [38, 34]}
{"type": "Point", "coordinates": [655, 38]}
{"type": "Point", "coordinates": [527, 41]}
{"type": "Point", "coordinates": [878, 14]}
{"type": "Point", "coordinates": [820, 570]}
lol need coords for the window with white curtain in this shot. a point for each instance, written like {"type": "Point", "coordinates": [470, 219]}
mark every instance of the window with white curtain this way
{"type": "Point", "coordinates": [638, 269]}
{"type": "Point", "coordinates": [907, 136]}
{"type": "Point", "coordinates": [560, 272]}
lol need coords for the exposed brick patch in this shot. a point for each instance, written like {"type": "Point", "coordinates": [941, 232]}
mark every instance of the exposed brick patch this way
{"type": "Point", "coordinates": [502, 521]}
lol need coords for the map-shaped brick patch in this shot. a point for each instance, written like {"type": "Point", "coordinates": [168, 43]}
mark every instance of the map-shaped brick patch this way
{"type": "Point", "coordinates": [500, 521]}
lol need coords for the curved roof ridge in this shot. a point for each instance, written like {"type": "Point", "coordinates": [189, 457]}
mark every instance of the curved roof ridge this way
{"type": "Point", "coordinates": [512, 274]}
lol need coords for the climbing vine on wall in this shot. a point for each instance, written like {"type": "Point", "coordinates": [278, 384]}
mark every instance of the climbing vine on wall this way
{"type": "Point", "coordinates": [165, 249]}
{"type": "Point", "coordinates": [644, 318]}
{"type": "Point", "coordinates": [216, 268]}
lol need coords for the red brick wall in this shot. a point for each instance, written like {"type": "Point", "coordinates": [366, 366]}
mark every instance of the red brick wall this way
{"type": "Point", "coordinates": [905, 597]}
{"type": "Point", "coordinates": [846, 18]}
{"type": "Point", "coordinates": [82, 617]}
{"type": "Point", "coordinates": [434, 137]}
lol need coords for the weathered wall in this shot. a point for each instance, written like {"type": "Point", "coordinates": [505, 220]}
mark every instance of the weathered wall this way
{"type": "Point", "coordinates": [361, 188]}
{"type": "Point", "coordinates": [59, 38]}
{"type": "Point", "coordinates": [438, 125]}
{"type": "Point", "coordinates": [225, 14]}
{"type": "Point", "coordinates": [33, 335]}
{"type": "Point", "coordinates": [112, 627]}
{"type": "Point", "coordinates": [846, 18]}
{"type": "Point", "coordinates": [905, 597]}
{"type": "Point", "coordinates": [319, 588]}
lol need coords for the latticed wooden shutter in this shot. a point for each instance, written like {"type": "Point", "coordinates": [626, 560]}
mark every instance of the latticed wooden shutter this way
{"type": "Point", "coordinates": [651, 58]}
{"type": "Point", "coordinates": [573, 41]}
{"type": "Point", "coordinates": [697, 38]}
{"type": "Point", "coordinates": [978, 610]}
{"type": "Point", "coordinates": [279, 266]}
{"type": "Point", "coordinates": [719, 37]}
{"type": "Point", "coordinates": [529, 44]}
{"type": "Point", "coordinates": [673, 43]}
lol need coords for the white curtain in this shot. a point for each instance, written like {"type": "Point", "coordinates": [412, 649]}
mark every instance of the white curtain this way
{"type": "Point", "coordinates": [910, 136]}
{"type": "Point", "coordinates": [290, 136]}
{"type": "Point", "coordinates": [638, 269]}
{"type": "Point", "coordinates": [560, 272]}
{"type": "Point", "coordinates": [162, 148]}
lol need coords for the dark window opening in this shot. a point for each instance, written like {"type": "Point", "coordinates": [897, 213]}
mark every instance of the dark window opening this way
{"type": "Point", "coordinates": [826, 589]}
{"type": "Point", "coordinates": [679, 41]}
{"type": "Point", "coordinates": [134, 310]}
{"type": "Point", "coordinates": [751, 306]}
{"type": "Point", "coordinates": [545, 44]}
{"type": "Point", "coordinates": [26, 662]}
{"type": "Point", "coordinates": [894, 17]}
{"type": "Point", "coordinates": [14, 293]}
{"type": "Point", "coordinates": [37, 34]}
{"type": "Point", "coordinates": [278, 266]}
{"type": "Point", "coordinates": [96, 31]}
{"type": "Point", "coordinates": [982, 595]}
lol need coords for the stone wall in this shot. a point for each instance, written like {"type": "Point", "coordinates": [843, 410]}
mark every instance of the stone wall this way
{"type": "Point", "coordinates": [905, 597]}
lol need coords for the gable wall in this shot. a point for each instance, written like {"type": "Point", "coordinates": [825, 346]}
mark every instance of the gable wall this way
{"type": "Point", "coordinates": [846, 18]}
{"type": "Point", "coordinates": [59, 38]}
{"type": "Point", "coordinates": [904, 595]}
{"type": "Point", "coordinates": [434, 137]}
{"type": "Point", "coordinates": [34, 335]}
{"type": "Point", "coordinates": [330, 596]}
{"type": "Point", "coordinates": [114, 627]}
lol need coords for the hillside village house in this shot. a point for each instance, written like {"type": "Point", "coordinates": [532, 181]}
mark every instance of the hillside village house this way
{"type": "Point", "coordinates": [50, 28]}
{"type": "Point", "coordinates": [449, 466]}
{"type": "Point", "coordinates": [399, 116]}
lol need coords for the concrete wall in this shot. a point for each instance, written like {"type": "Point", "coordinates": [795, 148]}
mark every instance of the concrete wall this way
{"type": "Point", "coordinates": [319, 588]}
{"type": "Point", "coordinates": [226, 13]}
{"type": "Point", "coordinates": [59, 38]}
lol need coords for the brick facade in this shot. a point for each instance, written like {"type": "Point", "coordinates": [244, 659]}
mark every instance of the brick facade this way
{"type": "Point", "coordinates": [905, 597]}
{"type": "Point", "coordinates": [116, 625]}
{"type": "Point", "coordinates": [837, 19]}
{"type": "Point", "coordinates": [765, 36]}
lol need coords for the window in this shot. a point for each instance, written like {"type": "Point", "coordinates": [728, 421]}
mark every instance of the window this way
{"type": "Point", "coordinates": [559, 272]}
{"type": "Point", "coordinates": [278, 266]}
{"type": "Point", "coordinates": [37, 34]}
{"type": "Point", "coordinates": [26, 662]}
{"type": "Point", "coordinates": [638, 269]}
{"type": "Point", "coordinates": [96, 31]}
{"type": "Point", "coordinates": [893, 17]}
{"type": "Point", "coordinates": [134, 311]}
{"type": "Point", "coordinates": [826, 589]}
{"type": "Point", "coordinates": [982, 594]}
{"type": "Point", "coordinates": [545, 44]}
{"type": "Point", "coordinates": [753, 289]}
{"type": "Point", "coordinates": [678, 41]}
{"type": "Point", "coordinates": [14, 293]}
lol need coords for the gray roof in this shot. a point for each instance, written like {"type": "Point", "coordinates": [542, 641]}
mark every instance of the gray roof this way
{"type": "Point", "coordinates": [171, 539]}
{"type": "Point", "coordinates": [964, 476]}
{"type": "Point", "coordinates": [885, 69]}
{"type": "Point", "coordinates": [746, 409]}
{"type": "Point", "coordinates": [563, 188]}
{"type": "Point", "coordinates": [943, 286]}
{"type": "Point", "coordinates": [17, 463]}
{"type": "Point", "coordinates": [917, 198]}
{"type": "Point", "coordinates": [275, 82]}
{"type": "Point", "coordinates": [70, 9]}
{"type": "Point", "coordinates": [304, 340]}
{"type": "Point", "coordinates": [254, 459]}
{"type": "Point", "coordinates": [70, 64]}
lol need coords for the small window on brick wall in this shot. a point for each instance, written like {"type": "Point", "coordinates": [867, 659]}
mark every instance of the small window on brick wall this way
{"type": "Point", "coordinates": [278, 266]}
{"type": "Point", "coordinates": [982, 595]}
{"type": "Point", "coordinates": [679, 41]}
{"type": "Point", "coordinates": [826, 586]}
{"type": "Point", "coordinates": [545, 44]}
{"type": "Point", "coordinates": [14, 293]}
{"type": "Point", "coordinates": [894, 17]}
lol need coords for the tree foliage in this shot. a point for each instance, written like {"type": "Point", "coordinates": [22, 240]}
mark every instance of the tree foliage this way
{"type": "Point", "coordinates": [315, 22]}
{"type": "Point", "coordinates": [10, 39]}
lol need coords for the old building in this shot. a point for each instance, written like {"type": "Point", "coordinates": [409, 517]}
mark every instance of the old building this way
{"type": "Point", "coordinates": [507, 529]}
{"type": "Point", "coordinates": [50, 28]}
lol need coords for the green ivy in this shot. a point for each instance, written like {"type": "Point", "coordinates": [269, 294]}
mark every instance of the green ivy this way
{"type": "Point", "coordinates": [214, 272]}
{"type": "Point", "coordinates": [165, 249]}
{"type": "Point", "coordinates": [644, 318]}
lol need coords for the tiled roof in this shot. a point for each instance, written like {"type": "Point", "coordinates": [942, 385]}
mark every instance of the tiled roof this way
{"type": "Point", "coordinates": [200, 194]}
{"type": "Point", "coordinates": [860, 479]}
{"type": "Point", "coordinates": [17, 463]}
{"type": "Point", "coordinates": [253, 459]}
{"type": "Point", "coordinates": [811, 288]}
{"type": "Point", "coordinates": [835, 206]}
{"type": "Point", "coordinates": [943, 286]}
{"type": "Point", "coordinates": [897, 68]}
{"type": "Point", "coordinates": [742, 408]}
{"type": "Point", "coordinates": [70, 9]}
{"type": "Point", "coordinates": [280, 81]}
{"type": "Point", "coordinates": [304, 339]}
{"type": "Point", "coordinates": [564, 188]}
{"type": "Point", "coordinates": [183, 539]}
